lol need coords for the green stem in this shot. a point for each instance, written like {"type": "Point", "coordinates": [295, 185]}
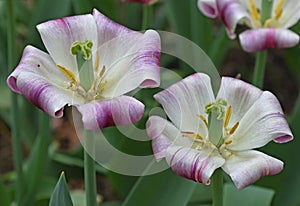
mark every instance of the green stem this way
{"type": "Point", "coordinates": [147, 15]}
{"type": "Point", "coordinates": [259, 70]}
{"type": "Point", "coordinates": [15, 127]}
{"type": "Point", "coordinates": [217, 187]}
{"type": "Point", "coordinates": [89, 171]}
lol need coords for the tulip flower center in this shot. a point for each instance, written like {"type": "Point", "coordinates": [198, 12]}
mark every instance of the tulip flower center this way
{"type": "Point", "coordinates": [225, 131]}
{"type": "Point", "coordinates": [89, 84]}
{"type": "Point", "coordinates": [268, 19]}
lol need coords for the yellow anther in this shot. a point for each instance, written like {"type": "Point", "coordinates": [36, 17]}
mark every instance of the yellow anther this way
{"type": "Point", "coordinates": [203, 119]}
{"type": "Point", "coordinates": [192, 135]}
{"type": "Point", "coordinates": [227, 116]}
{"type": "Point", "coordinates": [68, 74]}
{"type": "Point", "coordinates": [254, 11]}
{"type": "Point", "coordinates": [102, 71]}
{"type": "Point", "coordinates": [234, 128]}
{"type": "Point", "coordinates": [278, 9]}
{"type": "Point", "coordinates": [228, 142]}
{"type": "Point", "coordinates": [97, 62]}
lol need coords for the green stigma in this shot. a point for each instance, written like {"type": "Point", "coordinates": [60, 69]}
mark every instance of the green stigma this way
{"type": "Point", "coordinates": [83, 48]}
{"type": "Point", "coordinates": [217, 107]}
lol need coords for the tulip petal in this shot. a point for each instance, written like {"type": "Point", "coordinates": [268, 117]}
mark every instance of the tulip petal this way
{"type": "Point", "coordinates": [231, 13]}
{"type": "Point", "coordinates": [240, 95]}
{"type": "Point", "coordinates": [247, 167]}
{"type": "Point", "coordinates": [264, 38]}
{"type": "Point", "coordinates": [290, 13]}
{"type": "Point", "coordinates": [164, 134]}
{"type": "Point", "coordinates": [131, 61]}
{"type": "Point", "coordinates": [208, 8]}
{"type": "Point", "coordinates": [121, 110]}
{"type": "Point", "coordinates": [262, 123]}
{"type": "Point", "coordinates": [59, 35]}
{"type": "Point", "coordinates": [168, 142]}
{"type": "Point", "coordinates": [39, 80]}
{"type": "Point", "coordinates": [185, 100]}
{"type": "Point", "coordinates": [197, 165]}
{"type": "Point", "coordinates": [108, 29]}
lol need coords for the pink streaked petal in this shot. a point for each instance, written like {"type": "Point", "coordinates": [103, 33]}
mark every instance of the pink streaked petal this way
{"type": "Point", "coordinates": [208, 8]}
{"type": "Point", "coordinates": [197, 165]}
{"type": "Point", "coordinates": [147, 2]}
{"type": "Point", "coordinates": [240, 95]}
{"type": "Point", "coordinates": [121, 110]}
{"type": "Point", "coordinates": [132, 61]}
{"type": "Point", "coordinates": [108, 29]}
{"type": "Point", "coordinates": [59, 35]}
{"type": "Point", "coordinates": [232, 12]}
{"type": "Point", "coordinates": [266, 38]}
{"type": "Point", "coordinates": [164, 134]}
{"type": "Point", "coordinates": [49, 98]}
{"type": "Point", "coordinates": [185, 100]}
{"type": "Point", "coordinates": [262, 123]}
{"type": "Point", "coordinates": [38, 62]}
{"type": "Point", "coordinates": [246, 167]}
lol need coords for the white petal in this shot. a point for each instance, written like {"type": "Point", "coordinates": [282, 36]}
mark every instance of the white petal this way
{"type": "Point", "coordinates": [164, 134]}
{"type": "Point", "coordinates": [263, 122]}
{"type": "Point", "coordinates": [240, 95]}
{"type": "Point", "coordinates": [131, 61]}
{"type": "Point", "coordinates": [168, 142]}
{"type": "Point", "coordinates": [59, 35]}
{"type": "Point", "coordinates": [247, 167]}
{"type": "Point", "coordinates": [38, 79]}
{"type": "Point", "coordinates": [185, 100]}
{"type": "Point", "coordinates": [290, 13]}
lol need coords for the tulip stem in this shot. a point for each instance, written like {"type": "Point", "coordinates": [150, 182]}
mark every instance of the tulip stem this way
{"type": "Point", "coordinates": [259, 70]}
{"type": "Point", "coordinates": [89, 171]}
{"type": "Point", "coordinates": [15, 126]}
{"type": "Point", "coordinates": [147, 15]}
{"type": "Point", "coordinates": [217, 187]}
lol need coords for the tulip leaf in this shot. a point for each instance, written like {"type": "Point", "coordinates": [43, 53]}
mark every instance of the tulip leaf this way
{"type": "Point", "coordinates": [161, 189]}
{"type": "Point", "coordinates": [5, 195]}
{"type": "Point", "coordinates": [253, 194]}
{"type": "Point", "coordinates": [61, 195]}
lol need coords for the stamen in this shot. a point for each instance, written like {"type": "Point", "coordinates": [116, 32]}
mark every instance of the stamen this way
{"type": "Point", "coordinates": [227, 116]}
{"type": "Point", "coordinates": [203, 119]}
{"type": "Point", "coordinates": [254, 12]}
{"type": "Point", "coordinates": [68, 74]}
{"type": "Point", "coordinates": [234, 128]}
{"type": "Point", "coordinates": [102, 71]}
{"type": "Point", "coordinates": [228, 142]}
{"type": "Point", "coordinates": [192, 135]}
{"type": "Point", "coordinates": [278, 9]}
{"type": "Point", "coordinates": [97, 63]}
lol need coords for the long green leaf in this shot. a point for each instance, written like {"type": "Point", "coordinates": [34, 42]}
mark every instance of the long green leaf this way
{"type": "Point", "coordinates": [252, 195]}
{"type": "Point", "coordinates": [162, 189]}
{"type": "Point", "coordinates": [61, 195]}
